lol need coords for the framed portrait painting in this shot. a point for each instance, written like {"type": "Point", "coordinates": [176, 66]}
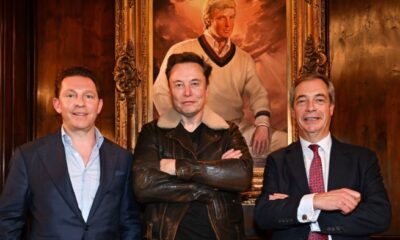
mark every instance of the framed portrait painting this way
{"type": "Point", "coordinates": [285, 38]}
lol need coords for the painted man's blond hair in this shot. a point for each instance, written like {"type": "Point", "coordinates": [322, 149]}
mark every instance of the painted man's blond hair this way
{"type": "Point", "coordinates": [209, 7]}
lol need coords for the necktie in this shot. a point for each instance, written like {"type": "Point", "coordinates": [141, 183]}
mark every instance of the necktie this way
{"type": "Point", "coordinates": [316, 184]}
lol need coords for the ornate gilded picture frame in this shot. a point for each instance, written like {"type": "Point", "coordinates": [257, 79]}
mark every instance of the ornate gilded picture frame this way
{"type": "Point", "coordinates": [133, 73]}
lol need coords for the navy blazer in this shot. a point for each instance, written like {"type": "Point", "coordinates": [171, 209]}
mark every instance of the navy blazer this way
{"type": "Point", "coordinates": [351, 167]}
{"type": "Point", "coordinates": [38, 183]}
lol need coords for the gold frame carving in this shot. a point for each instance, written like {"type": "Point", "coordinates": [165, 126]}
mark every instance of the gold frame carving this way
{"type": "Point", "coordinates": [307, 43]}
{"type": "Point", "coordinates": [307, 52]}
{"type": "Point", "coordinates": [133, 69]}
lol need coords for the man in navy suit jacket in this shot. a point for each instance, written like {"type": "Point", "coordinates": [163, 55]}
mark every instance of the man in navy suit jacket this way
{"type": "Point", "coordinates": [74, 183]}
{"type": "Point", "coordinates": [352, 202]}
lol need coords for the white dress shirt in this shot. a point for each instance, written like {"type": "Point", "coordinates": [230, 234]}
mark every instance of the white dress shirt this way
{"type": "Point", "coordinates": [85, 180]}
{"type": "Point", "coordinates": [215, 45]}
{"type": "Point", "coordinates": [306, 212]}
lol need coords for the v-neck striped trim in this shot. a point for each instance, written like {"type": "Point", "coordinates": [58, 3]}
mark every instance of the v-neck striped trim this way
{"type": "Point", "coordinates": [220, 61]}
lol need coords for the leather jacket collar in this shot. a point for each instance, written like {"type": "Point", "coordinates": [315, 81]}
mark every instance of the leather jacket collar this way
{"type": "Point", "coordinates": [212, 120]}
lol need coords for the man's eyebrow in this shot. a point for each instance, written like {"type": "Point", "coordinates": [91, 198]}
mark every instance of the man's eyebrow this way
{"type": "Point", "coordinates": [321, 95]}
{"type": "Point", "coordinates": [69, 90]}
{"type": "Point", "coordinates": [176, 80]}
{"type": "Point", "coordinates": [316, 95]}
{"type": "Point", "coordinates": [300, 96]}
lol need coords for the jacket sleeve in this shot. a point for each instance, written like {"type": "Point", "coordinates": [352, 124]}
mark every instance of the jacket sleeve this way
{"type": "Point", "coordinates": [13, 199]}
{"type": "Point", "coordinates": [130, 226]}
{"type": "Point", "coordinates": [223, 174]}
{"type": "Point", "coordinates": [372, 215]}
{"type": "Point", "coordinates": [276, 214]}
{"type": "Point", "coordinates": [152, 185]}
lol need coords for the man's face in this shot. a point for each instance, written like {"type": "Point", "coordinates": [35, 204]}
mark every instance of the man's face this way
{"type": "Point", "coordinates": [188, 89]}
{"type": "Point", "coordinates": [312, 109]}
{"type": "Point", "coordinates": [78, 103]}
{"type": "Point", "coordinates": [222, 22]}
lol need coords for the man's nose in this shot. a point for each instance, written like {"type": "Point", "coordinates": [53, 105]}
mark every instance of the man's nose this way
{"type": "Point", "coordinates": [188, 91]}
{"type": "Point", "coordinates": [229, 22]}
{"type": "Point", "coordinates": [80, 101]}
{"type": "Point", "coordinates": [310, 105]}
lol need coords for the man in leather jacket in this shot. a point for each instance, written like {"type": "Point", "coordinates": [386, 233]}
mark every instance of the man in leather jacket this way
{"type": "Point", "coordinates": [191, 165]}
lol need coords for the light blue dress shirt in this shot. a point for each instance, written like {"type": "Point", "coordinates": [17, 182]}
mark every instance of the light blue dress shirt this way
{"type": "Point", "coordinates": [85, 180]}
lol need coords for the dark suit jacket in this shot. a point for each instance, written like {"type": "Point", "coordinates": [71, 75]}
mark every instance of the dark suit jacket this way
{"type": "Point", "coordinates": [39, 183]}
{"type": "Point", "coordinates": [350, 167]}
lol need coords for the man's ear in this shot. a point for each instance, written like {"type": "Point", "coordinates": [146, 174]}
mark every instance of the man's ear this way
{"type": "Point", "coordinates": [331, 108]}
{"type": "Point", "coordinates": [207, 22]}
{"type": "Point", "coordinates": [100, 106]}
{"type": "Point", "coordinates": [57, 105]}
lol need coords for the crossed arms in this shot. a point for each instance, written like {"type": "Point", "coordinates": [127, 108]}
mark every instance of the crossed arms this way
{"type": "Point", "coordinates": [358, 208]}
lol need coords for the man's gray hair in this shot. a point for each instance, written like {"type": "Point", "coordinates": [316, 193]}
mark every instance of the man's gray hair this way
{"type": "Point", "coordinates": [209, 7]}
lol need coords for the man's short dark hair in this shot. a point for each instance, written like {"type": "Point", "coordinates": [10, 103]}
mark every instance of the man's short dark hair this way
{"type": "Point", "coordinates": [76, 71]}
{"type": "Point", "coordinates": [188, 57]}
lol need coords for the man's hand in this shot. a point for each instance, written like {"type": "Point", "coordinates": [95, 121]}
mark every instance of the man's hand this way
{"type": "Point", "coordinates": [232, 153]}
{"type": "Point", "coordinates": [344, 199]}
{"type": "Point", "coordinates": [260, 140]}
{"type": "Point", "coordinates": [277, 196]}
{"type": "Point", "coordinates": [167, 165]}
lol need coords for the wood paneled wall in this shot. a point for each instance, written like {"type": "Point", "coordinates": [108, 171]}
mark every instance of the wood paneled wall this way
{"type": "Point", "coordinates": [70, 33]}
{"type": "Point", "coordinates": [365, 60]}
{"type": "Point", "coordinates": [38, 39]}
{"type": "Point", "coordinates": [16, 79]}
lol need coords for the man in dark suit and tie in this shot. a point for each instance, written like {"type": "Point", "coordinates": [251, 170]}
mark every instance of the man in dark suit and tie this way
{"type": "Point", "coordinates": [75, 183]}
{"type": "Point", "coordinates": [318, 188]}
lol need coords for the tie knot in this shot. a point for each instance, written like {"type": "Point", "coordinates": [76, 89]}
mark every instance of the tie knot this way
{"type": "Point", "coordinates": [314, 147]}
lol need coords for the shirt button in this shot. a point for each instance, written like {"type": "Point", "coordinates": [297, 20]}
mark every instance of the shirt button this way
{"type": "Point", "coordinates": [304, 217]}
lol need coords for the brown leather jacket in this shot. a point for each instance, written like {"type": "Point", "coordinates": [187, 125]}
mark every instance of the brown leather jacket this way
{"type": "Point", "coordinates": [201, 176]}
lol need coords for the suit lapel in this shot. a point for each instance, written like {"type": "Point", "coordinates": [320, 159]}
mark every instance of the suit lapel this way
{"type": "Point", "coordinates": [108, 160]}
{"type": "Point", "coordinates": [54, 160]}
{"type": "Point", "coordinates": [297, 168]}
{"type": "Point", "coordinates": [337, 166]}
